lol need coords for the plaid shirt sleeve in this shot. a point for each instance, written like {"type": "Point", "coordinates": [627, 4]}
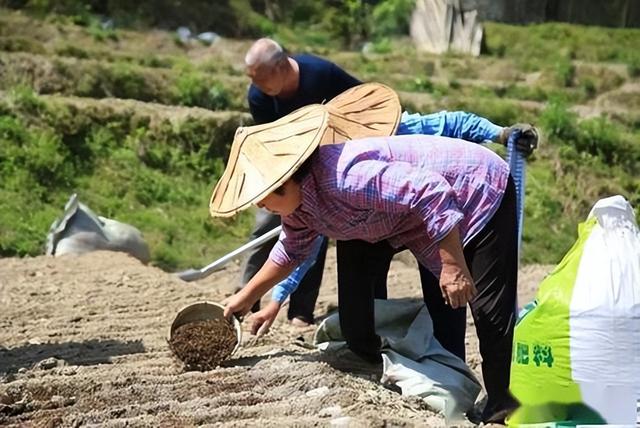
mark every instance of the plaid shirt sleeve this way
{"type": "Point", "coordinates": [399, 188]}
{"type": "Point", "coordinates": [295, 243]}
{"type": "Point", "coordinates": [290, 284]}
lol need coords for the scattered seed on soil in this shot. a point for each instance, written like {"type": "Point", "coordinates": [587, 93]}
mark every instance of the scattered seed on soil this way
{"type": "Point", "coordinates": [203, 345]}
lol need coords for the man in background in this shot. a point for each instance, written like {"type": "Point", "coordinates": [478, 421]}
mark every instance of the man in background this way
{"type": "Point", "coordinates": [281, 84]}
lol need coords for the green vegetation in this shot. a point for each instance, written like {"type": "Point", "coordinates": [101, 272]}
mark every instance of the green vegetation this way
{"type": "Point", "coordinates": [150, 168]}
{"type": "Point", "coordinates": [583, 161]}
{"type": "Point", "coordinates": [111, 113]}
{"type": "Point", "coordinates": [537, 46]}
{"type": "Point", "coordinates": [181, 84]}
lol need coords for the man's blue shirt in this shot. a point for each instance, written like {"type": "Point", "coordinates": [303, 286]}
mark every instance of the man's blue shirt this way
{"type": "Point", "coordinates": [320, 81]}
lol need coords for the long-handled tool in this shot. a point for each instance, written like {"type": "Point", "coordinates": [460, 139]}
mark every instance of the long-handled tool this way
{"type": "Point", "coordinates": [194, 274]}
{"type": "Point", "coordinates": [518, 165]}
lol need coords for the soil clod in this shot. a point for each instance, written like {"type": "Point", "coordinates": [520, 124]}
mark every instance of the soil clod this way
{"type": "Point", "coordinates": [203, 345]}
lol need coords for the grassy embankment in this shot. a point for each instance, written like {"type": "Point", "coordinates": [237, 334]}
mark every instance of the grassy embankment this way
{"type": "Point", "coordinates": [113, 115]}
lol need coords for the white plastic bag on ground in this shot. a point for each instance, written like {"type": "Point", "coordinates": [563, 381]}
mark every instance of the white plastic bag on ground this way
{"type": "Point", "coordinates": [80, 230]}
{"type": "Point", "coordinates": [577, 347]}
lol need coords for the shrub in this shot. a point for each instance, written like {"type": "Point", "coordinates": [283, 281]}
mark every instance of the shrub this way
{"type": "Point", "coordinates": [525, 92]}
{"type": "Point", "coordinates": [125, 81]}
{"type": "Point", "coordinates": [565, 72]}
{"type": "Point", "coordinates": [348, 21]}
{"type": "Point", "coordinates": [392, 17]}
{"type": "Point", "coordinates": [72, 51]}
{"type": "Point", "coordinates": [420, 84]}
{"type": "Point", "coordinates": [498, 111]}
{"type": "Point", "coordinates": [589, 88]}
{"type": "Point", "coordinates": [21, 44]}
{"type": "Point", "coordinates": [633, 66]}
{"type": "Point", "coordinates": [558, 122]}
{"type": "Point", "coordinates": [606, 140]}
{"type": "Point", "coordinates": [194, 89]}
{"type": "Point", "coordinates": [599, 137]}
{"type": "Point", "coordinates": [101, 32]}
{"type": "Point", "coordinates": [35, 157]}
{"type": "Point", "coordinates": [218, 97]}
{"type": "Point", "coordinates": [540, 46]}
{"type": "Point", "coordinates": [382, 46]}
{"type": "Point", "coordinates": [25, 99]}
{"type": "Point", "coordinates": [151, 187]}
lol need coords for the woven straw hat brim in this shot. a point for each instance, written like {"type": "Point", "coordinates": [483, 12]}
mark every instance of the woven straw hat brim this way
{"type": "Point", "coordinates": [367, 110]}
{"type": "Point", "coordinates": [263, 157]}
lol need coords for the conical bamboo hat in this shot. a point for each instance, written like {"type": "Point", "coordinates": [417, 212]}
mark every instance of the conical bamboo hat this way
{"type": "Point", "coordinates": [263, 157]}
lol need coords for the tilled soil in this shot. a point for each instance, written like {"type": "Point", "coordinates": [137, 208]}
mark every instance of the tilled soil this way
{"type": "Point", "coordinates": [83, 342]}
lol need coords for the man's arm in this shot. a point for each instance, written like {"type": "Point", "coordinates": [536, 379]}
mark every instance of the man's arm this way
{"type": "Point", "coordinates": [284, 288]}
{"type": "Point", "coordinates": [456, 124]}
{"type": "Point", "coordinates": [470, 127]}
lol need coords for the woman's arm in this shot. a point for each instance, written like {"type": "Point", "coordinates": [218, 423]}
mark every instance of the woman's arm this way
{"type": "Point", "coordinates": [269, 275]}
{"type": "Point", "coordinates": [456, 283]}
{"type": "Point", "coordinates": [262, 320]}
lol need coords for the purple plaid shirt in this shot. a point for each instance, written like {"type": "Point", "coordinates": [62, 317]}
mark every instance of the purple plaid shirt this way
{"type": "Point", "coordinates": [411, 190]}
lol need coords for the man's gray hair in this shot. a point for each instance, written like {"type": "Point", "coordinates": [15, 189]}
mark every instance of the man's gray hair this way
{"type": "Point", "coordinates": [265, 52]}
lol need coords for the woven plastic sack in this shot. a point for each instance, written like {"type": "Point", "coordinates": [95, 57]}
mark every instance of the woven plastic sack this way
{"type": "Point", "coordinates": [79, 230]}
{"type": "Point", "coordinates": [576, 353]}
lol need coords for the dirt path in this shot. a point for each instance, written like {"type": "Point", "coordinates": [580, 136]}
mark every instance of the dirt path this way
{"type": "Point", "coordinates": [83, 343]}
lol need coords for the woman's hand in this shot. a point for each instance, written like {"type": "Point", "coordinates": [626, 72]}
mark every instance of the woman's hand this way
{"type": "Point", "coordinates": [238, 304]}
{"type": "Point", "coordinates": [456, 285]}
{"type": "Point", "coordinates": [262, 320]}
{"type": "Point", "coordinates": [268, 276]}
